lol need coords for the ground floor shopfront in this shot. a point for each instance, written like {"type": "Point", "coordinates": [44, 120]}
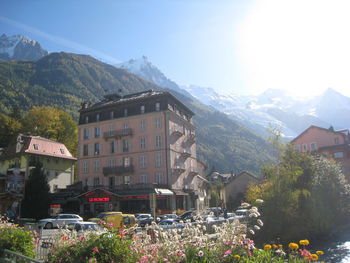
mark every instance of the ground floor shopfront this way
{"type": "Point", "coordinates": [162, 200]}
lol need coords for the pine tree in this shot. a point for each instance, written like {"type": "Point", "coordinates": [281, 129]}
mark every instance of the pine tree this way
{"type": "Point", "coordinates": [36, 196]}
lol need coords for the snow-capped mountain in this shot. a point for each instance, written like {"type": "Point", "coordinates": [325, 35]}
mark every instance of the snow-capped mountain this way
{"type": "Point", "coordinates": [19, 47]}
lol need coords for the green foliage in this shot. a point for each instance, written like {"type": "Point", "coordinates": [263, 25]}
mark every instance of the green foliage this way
{"type": "Point", "coordinates": [63, 80]}
{"type": "Point", "coordinates": [105, 248]}
{"type": "Point", "coordinates": [304, 196]}
{"type": "Point", "coordinates": [52, 124]}
{"type": "Point", "coordinates": [36, 196]}
{"type": "Point", "coordinates": [9, 129]}
{"type": "Point", "coordinates": [17, 240]}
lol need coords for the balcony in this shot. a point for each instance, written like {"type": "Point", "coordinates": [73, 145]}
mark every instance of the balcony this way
{"type": "Point", "coordinates": [177, 131]}
{"type": "Point", "coordinates": [186, 153]}
{"type": "Point", "coordinates": [178, 169]}
{"type": "Point", "coordinates": [117, 134]}
{"type": "Point", "coordinates": [117, 170]}
{"type": "Point", "coordinates": [139, 186]}
{"type": "Point", "coordinates": [191, 138]}
{"type": "Point", "coordinates": [193, 171]}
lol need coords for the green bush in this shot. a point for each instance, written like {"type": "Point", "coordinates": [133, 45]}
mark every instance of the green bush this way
{"type": "Point", "coordinates": [17, 240]}
{"type": "Point", "coordinates": [105, 248]}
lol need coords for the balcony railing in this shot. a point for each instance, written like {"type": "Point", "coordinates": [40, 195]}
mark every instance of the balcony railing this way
{"type": "Point", "coordinates": [117, 170]}
{"type": "Point", "coordinates": [117, 133]}
{"type": "Point", "coordinates": [193, 171]}
{"type": "Point", "coordinates": [186, 153]}
{"type": "Point", "coordinates": [191, 138]}
{"type": "Point", "coordinates": [177, 131]}
{"type": "Point", "coordinates": [179, 169]}
{"type": "Point", "coordinates": [138, 186]}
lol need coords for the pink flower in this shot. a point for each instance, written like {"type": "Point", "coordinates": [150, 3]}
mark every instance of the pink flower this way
{"type": "Point", "coordinates": [64, 237]}
{"type": "Point", "coordinates": [95, 250]}
{"type": "Point", "coordinates": [304, 252]}
{"type": "Point", "coordinates": [144, 259]}
{"type": "Point", "coordinates": [227, 253]}
{"type": "Point", "coordinates": [81, 238]}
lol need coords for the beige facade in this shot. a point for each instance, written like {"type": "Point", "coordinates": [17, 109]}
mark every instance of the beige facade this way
{"type": "Point", "coordinates": [143, 142]}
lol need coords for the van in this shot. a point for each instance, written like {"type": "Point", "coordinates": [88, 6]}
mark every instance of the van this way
{"type": "Point", "coordinates": [118, 219]}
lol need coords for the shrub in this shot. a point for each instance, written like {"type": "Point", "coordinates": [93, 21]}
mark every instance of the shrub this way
{"type": "Point", "coordinates": [16, 239]}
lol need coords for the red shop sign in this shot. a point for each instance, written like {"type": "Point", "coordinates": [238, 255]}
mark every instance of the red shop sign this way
{"type": "Point", "coordinates": [52, 206]}
{"type": "Point", "coordinates": [99, 199]}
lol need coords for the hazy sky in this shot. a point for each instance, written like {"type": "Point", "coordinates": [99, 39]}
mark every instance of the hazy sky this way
{"type": "Point", "coordinates": [233, 46]}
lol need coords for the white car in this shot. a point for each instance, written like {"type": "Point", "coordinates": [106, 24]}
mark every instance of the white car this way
{"type": "Point", "coordinates": [60, 220]}
{"type": "Point", "coordinates": [86, 226]}
{"type": "Point", "coordinates": [170, 224]}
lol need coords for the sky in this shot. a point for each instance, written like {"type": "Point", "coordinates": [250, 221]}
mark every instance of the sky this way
{"type": "Point", "coordinates": [233, 46]}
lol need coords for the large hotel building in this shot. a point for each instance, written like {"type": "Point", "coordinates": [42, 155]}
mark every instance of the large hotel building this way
{"type": "Point", "coordinates": [135, 148]}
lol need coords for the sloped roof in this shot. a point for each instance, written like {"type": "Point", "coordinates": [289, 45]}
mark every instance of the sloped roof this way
{"type": "Point", "coordinates": [340, 132]}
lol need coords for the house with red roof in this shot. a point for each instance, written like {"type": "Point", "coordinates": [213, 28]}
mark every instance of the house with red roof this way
{"type": "Point", "coordinates": [19, 158]}
{"type": "Point", "coordinates": [329, 143]}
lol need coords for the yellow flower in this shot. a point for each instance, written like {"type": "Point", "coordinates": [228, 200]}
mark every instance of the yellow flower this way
{"type": "Point", "coordinates": [274, 246]}
{"type": "Point", "coordinates": [319, 252]}
{"type": "Point", "coordinates": [314, 257]}
{"type": "Point", "coordinates": [267, 247]}
{"type": "Point", "coordinates": [280, 246]}
{"type": "Point", "coordinates": [237, 256]}
{"type": "Point", "coordinates": [293, 246]}
{"type": "Point", "coordinates": [304, 242]}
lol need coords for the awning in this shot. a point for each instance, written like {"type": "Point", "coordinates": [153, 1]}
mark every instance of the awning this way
{"type": "Point", "coordinates": [179, 192]}
{"type": "Point", "coordinates": [162, 191]}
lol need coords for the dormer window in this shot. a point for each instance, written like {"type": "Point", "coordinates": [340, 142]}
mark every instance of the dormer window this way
{"type": "Point", "coordinates": [125, 112]}
{"type": "Point", "coordinates": [97, 117]}
{"type": "Point", "coordinates": [112, 115]}
{"type": "Point", "coordinates": [62, 151]}
{"type": "Point", "coordinates": [142, 109]}
{"type": "Point", "coordinates": [157, 106]}
{"type": "Point", "coordinates": [86, 119]}
{"type": "Point", "coordinates": [36, 147]}
{"type": "Point", "coordinates": [336, 140]}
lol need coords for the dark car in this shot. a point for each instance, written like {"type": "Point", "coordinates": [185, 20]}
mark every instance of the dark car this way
{"type": "Point", "coordinates": [188, 215]}
{"type": "Point", "coordinates": [144, 219]}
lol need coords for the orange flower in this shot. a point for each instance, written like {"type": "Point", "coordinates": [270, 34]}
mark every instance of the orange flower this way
{"type": "Point", "coordinates": [267, 247]}
{"type": "Point", "coordinates": [319, 252]}
{"type": "Point", "coordinates": [304, 242]}
{"type": "Point", "coordinates": [314, 257]}
{"type": "Point", "coordinates": [293, 246]}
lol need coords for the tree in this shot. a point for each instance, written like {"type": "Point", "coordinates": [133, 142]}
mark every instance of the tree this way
{"type": "Point", "coordinates": [9, 129]}
{"type": "Point", "coordinates": [305, 196]}
{"type": "Point", "coordinates": [36, 195]}
{"type": "Point", "coordinates": [52, 124]}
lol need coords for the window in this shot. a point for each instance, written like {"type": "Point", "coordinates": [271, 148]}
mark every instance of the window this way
{"type": "Point", "coordinates": [62, 151]}
{"type": "Point", "coordinates": [158, 160]}
{"type": "Point", "coordinates": [112, 162]}
{"type": "Point", "coordinates": [111, 130]}
{"type": "Point", "coordinates": [126, 179]}
{"type": "Point", "coordinates": [125, 112]}
{"type": "Point", "coordinates": [143, 178]}
{"type": "Point", "coordinates": [97, 132]}
{"type": "Point", "coordinates": [126, 161]}
{"type": "Point", "coordinates": [158, 141]}
{"type": "Point", "coordinates": [142, 125]}
{"type": "Point", "coordinates": [85, 166]}
{"type": "Point", "coordinates": [305, 147]}
{"type": "Point", "coordinates": [297, 147]}
{"type": "Point", "coordinates": [142, 142]}
{"type": "Point", "coordinates": [111, 182]}
{"type": "Point", "coordinates": [126, 145]}
{"type": "Point", "coordinates": [36, 146]}
{"type": "Point", "coordinates": [336, 140]}
{"type": "Point", "coordinates": [97, 149]}
{"type": "Point", "coordinates": [86, 134]}
{"type": "Point", "coordinates": [159, 178]}
{"type": "Point", "coordinates": [85, 150]}
{"type": "Point", "coordinates": [96, 165]}
{"type": "Point", "coordinates": [143, 161]}
{"type": "Point", "coordinates": [86, 119]}
{"type": "Point", "coordinates": [112, 146]}
{"type": "Point", "coordinates": [313, 146]}
{"type": "Point", "coordinates": [142, 109]}
{"type": "Point", "coordinates": [96, 181]}
{"type": "Point", "coordinates": [157, 106]}
{"type": "Point", "coordinates": [125, 125]}
{"type": "Point", "coordinates": [97, 117]}
{"type": "Point", "coordinates": [338, 155]}
{"type": "Point", "coordinates": [111, 115]}
{"type": "Point", "coordinates": [158, 123]}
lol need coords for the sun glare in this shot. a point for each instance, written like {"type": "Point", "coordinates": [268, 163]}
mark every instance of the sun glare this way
{"type": "Point", "coordinates": [302, 46]}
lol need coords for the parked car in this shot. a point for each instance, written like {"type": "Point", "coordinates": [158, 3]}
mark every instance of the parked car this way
{"type": "Point", "coordinates": [144, 219]}
{"type": "Point", "coordinates": [118, 219]}
{"type": "Point", "coordinates": [242, 213]}
{"type": "Point", "coordinates": [86, 226]}
{"type": "Point", "coordinates": [216, 211]}
{"type": "Point", "coordinates": [168, 216]}
{"type": "Point", "coordinates": [188, 215]}
{"type": "Point", "coordinates": [60, 220]}
{"type": "Point", "coordinates": [170, 224]}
